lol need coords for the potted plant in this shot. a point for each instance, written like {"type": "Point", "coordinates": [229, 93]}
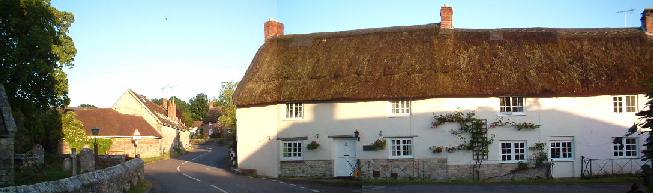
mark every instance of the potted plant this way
{"type": "Point", "coordinates": [313, 145]}
{"type": "Point", "coordinates": [379, 144]}
{"type": "Point", "coordinates": [437, 149]}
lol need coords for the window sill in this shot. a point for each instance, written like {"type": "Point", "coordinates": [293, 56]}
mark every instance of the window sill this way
{"type": "Point", "coordinates": [402, 157]}
{"type": "Point", "coordinates": [512, 162]}
{"type": "Point", "coordinates": [515, 114]}
{"type": "Point", "coordinates": [562, 160]}
{"type": "Point", "coordinates": [292, 119]}
{"type": "Point", "coordinates": [292, 161]}
{"type": "Point", "coordinates": [398, 115]}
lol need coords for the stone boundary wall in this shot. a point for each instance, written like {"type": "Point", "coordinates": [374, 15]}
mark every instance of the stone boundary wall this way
{"type": "Point", "coordinates": [306, 168]}
{"type": "Point", "coordinates": [118, 178]}
{"type": "Point", "coordinates": [438, 169]}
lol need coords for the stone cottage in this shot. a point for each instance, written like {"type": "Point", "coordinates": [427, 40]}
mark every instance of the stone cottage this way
{"type": "Point", "coordinates": [341, 93]}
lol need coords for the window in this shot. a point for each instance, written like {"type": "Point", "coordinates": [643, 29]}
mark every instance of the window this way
{"type": "Point", "coordinates": [625, 147]}
{"type": "Point", "coordinates": [291, 150]}
{"type": "Point", "coordinates": [401, 147]}
{"type": "Point", "coordinates": [294, 110]}
{"type": "Point", "coordinates": [618, 104]}
{"type": "Point", "coordinates": [401, 107]}
{"type": "Point", "coordinates": [561, 150]}
{"type": "Point", "coordinates": [512, 105]}
{"type": "Point", "coordinates": [513, 151]}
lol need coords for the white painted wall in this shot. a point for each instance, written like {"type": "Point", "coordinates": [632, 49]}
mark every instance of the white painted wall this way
{"type": "Point", "coordinates": [589, 121]}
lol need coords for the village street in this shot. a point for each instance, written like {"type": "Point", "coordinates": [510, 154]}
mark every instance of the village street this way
{"type": "Point", "coordinates": [205, 170]}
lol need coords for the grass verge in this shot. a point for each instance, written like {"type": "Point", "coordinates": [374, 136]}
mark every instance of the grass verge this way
{"type": "Point", "coordinates": [52, 170]}
{"type": "Point", "coordinates": [142, 187]}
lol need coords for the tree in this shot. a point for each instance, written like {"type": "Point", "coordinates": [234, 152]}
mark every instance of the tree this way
{"type": "Point", "coordinates": [646, 124]}
{"type": "Point", "coordinates": [87, 106]}
{"type": "Point", "coordinates": [34, 50]}
{"type": "Point", "coordinates": [226, 104]}
{"type": "Point", "coordinates": [199, 107]}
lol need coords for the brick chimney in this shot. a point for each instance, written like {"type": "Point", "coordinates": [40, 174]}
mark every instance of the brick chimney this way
{"type": "Point", "coordinates": [446, 17]}
{"type": "Point", "coordinates": [164, 103]}
{"type": "Point", "coordinates": [273, 28]}
{"type": "Point", "coordinates": [647, 21]}
{"type": "Point", "coordinates": [172, 110]}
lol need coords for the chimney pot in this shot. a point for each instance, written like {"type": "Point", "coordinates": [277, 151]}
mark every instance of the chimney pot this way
{"type": "Point", "coordinates": [446, 17]}
{"type": "Point", "coordinates": [647, 21]}
{"type": "Point", "coordinates": [273, 28]}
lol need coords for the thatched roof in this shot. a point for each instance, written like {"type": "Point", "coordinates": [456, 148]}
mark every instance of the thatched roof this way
{"type": "Point", "coordinates": [423, 62]}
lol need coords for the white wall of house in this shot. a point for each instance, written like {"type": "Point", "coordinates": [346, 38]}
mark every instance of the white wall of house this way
{"type": "Point", "coordinates": [588, 121]}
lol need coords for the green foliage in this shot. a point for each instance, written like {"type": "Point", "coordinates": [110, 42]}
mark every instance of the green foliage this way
{"type": "Point", "coordinates": [198, 107]}
{"type": "Point", "coordinates": [645, 122]}
{"type": "Point", "coordinates": [472, 131]}
{"type": "Point", "coordinates": [34, 50]}
{"type": "Point", "coordinates": [73, 131]}
{"type": "Point", "coordinates": [87, 106]}
{"type": "Point", "coordinates": [313, 145]}
{"type": "Point", "coordinates": [75, 136]}
{"type": "Point", "coordinates": [379, 144]}
{"type": "Point", "coordinates": [226, 105]}
{"type": "Point", "coordinates": [539, 154]}
{"type": "Point", "coordinates": [519, 126]}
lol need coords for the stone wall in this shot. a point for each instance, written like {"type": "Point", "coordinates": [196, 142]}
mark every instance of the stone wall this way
{"type": "Point", "coordinates": [6, 161]}
{"type": "Point", "coordinates": [147, 147]}
{"type": "Point", "coordinates": [119, 178]}
{"type": "Point", "coordinates": [306, 168]}
{"type": "Point", "coordinates": [7, 131]}
{"type": "Point", "coordinates": [438, 169]}
{"type": "Point", "coordinates": [104, 161]}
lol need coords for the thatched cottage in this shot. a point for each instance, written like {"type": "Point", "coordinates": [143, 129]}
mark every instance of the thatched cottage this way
{"type": "Point", "coordinates": [370, 98]}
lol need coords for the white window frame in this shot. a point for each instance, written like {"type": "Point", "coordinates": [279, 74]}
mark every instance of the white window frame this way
{"type": "Point", "coordinates": [400, 108]}
{"type": "Point", "coordinates": [511, 151]}
{"type": "Point", "coordinates": [294, 153]}
{"type": "Point", "coordinates": [291, 109]}
{"type": "Point", "coordinates": [620, 104]}
{"type": "Point", "coordinates": [508, 108]}
{"type": "Point", "coordinates": [558, 144]}
{"type": "Point", "coordinates": [627, 148]}
{"type": "Point", "coordinates": [402, 147]}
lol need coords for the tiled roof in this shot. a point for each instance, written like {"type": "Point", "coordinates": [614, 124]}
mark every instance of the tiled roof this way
{"type": "Point", "coordinates": [159, 112]}
{"type": "Point", "coordinates": [113, 123]}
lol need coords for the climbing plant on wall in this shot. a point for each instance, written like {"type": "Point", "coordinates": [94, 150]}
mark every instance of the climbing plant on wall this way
{"type": "Point", "coordinates": [471, 131]}
{"type": "Point", "coordinates": [74, 134]}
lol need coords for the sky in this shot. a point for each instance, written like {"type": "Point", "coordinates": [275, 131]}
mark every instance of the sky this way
{"type": "Point", "coordinates": [182, 48]}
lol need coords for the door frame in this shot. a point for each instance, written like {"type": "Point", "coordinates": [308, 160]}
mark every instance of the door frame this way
{"type": "Point", "coordinates": [335, 156]}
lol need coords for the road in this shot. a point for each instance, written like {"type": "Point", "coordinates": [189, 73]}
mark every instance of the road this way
{"type": "Point", "coordinates": [206, 170]}
{"type": "Point", "coordinates": [500, 188]}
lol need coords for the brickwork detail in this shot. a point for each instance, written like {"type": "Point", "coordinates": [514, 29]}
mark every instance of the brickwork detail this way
{"type": "Point", "coordinates": [307, 168]}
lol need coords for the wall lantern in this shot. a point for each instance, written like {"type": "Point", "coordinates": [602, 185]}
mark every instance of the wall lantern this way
{"type": "Point", "coordinates": [356, 135]}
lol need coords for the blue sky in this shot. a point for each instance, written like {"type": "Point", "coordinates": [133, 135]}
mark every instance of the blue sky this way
{"type": "Point", "coordinates": [195, 45]}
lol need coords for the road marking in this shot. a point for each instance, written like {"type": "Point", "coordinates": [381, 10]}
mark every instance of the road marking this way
{"type": "Point", "coordinates": [292, 184]}
{"type": "Point", "coordinates": [188, 176]}
{"type": "Point", "coordinates": [274, 180]}
{"type": "Point", "coordinates": [315, 190]}
{"type": "Point", "coordinates": [302, 187]}
{"type": "Point", "coordinates": [219, 188]}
